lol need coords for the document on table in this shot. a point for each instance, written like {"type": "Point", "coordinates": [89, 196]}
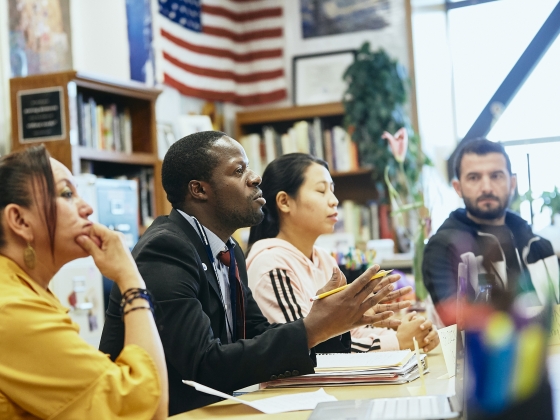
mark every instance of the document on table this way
{"type": "Point", "coordinates": [354, 361]}
{"type": "Point", "coordinates": [448, 340]}
{"type": "Point", "coordinates": [274, 405]}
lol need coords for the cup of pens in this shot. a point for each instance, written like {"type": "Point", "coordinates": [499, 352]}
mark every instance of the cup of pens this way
{"type": "Point", "coordinates": [506, 343]}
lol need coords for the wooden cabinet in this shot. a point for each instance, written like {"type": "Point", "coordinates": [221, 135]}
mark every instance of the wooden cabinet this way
{"type": "Point", "coordinates": [353, 185]}
{"type": "Point", "coordinates": [69, 146]}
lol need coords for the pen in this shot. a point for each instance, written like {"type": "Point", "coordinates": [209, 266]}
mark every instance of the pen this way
{"type": "Point", "coordinates": [379, 274]}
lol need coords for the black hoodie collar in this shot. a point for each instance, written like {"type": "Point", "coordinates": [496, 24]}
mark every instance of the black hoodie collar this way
{"type": "Point", "coordinates": [458, 219]}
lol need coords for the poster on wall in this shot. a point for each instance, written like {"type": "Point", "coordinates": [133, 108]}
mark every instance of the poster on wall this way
{"type": "Point", "coordinates": [332, 17]}
{"type": "Point", "coordinates": [140, 40]}
{"type": "Point", "coordinates": [40, 40]}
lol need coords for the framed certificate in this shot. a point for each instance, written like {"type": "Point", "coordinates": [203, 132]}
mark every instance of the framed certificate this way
{"type": "Point", "coordinates": [317, 78]}
{"type": "Point", "coordinates": [40, 114]}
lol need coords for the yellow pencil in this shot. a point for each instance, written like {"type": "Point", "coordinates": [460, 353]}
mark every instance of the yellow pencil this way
{"type": "Point", "coordinates": [381, 273]}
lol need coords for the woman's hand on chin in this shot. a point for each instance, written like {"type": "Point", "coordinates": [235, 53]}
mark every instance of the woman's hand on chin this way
{"type": "Point", "coordinates": [111, 256]}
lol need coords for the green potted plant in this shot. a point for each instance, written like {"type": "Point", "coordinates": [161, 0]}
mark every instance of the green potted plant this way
{"type": "Point", "coordinates": [373, 103]}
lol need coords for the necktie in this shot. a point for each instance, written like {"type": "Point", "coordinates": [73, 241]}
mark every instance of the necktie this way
{"type": "Point", "coordinates": [227, 258]}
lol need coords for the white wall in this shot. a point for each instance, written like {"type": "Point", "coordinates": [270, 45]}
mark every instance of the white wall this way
{"type": "Point", "coordinates": [100, 38]}
{"type": "Point", "coordinates": [393, 38]}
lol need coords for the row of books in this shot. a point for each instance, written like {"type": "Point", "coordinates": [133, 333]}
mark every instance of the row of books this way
{"type": "Point", "coordinates": [362, 221]}
{"type": "Point", "coordinates": [103, 127]}
{"type": "Point", "coordinates": [334, 145]}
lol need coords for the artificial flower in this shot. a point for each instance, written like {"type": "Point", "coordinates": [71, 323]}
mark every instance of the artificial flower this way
{"type": "Point", "coordinates": [398, 143]}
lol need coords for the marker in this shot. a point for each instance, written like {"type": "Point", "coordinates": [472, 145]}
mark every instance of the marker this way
{"type": "Point", "coordinates": [379, 274]}
{"type": "Point", "coordinates": [499, 348]}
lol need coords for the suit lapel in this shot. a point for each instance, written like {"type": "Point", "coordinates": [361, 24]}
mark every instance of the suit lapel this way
{"type": "Point", "coordinates": [192, 234]}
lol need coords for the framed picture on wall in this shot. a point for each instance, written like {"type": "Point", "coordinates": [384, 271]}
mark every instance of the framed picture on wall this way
{"type": "Point", "coordinates": [317, 78]}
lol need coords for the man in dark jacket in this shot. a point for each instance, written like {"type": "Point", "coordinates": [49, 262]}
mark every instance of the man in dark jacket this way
{"type": "Point", "coordinates": [211, 328]}
{"type": "Point", "coordinates": [497, 244]}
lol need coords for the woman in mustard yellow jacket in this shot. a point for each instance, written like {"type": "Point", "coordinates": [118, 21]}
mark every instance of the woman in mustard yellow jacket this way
{"type": "Point", "coordinates": [46, 369]}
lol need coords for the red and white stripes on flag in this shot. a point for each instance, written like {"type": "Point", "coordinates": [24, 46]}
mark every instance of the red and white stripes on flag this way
{"type": "Point", "coordinates": [231, 52]}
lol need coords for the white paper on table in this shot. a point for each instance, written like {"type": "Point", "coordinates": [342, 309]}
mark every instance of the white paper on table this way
{"type": "Point", "coordinates": [274, 405]}
{"type": "Point", "coordinates": [448, 340]}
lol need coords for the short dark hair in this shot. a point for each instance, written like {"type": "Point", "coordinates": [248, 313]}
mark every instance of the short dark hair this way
{"type": "Point", "coordinates": [285, 173]}
{"type": "Point", "coordinates": [26, 176]}
{"type": "Point", "coordinates": [479, 146]}
{"type": "Point", "coordinates": [188, 159]}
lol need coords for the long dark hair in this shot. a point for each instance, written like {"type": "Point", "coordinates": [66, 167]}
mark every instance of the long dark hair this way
{"type": "Point", "coordinates": [285, 173]}
{"type": "Point", "coordinates": [25, 178]}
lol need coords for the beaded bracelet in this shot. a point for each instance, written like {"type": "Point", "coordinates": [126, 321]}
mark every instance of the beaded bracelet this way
{"type": "Point", "coordinates": [136, 293]}
{"type": "Point", "coordinates": [136, 308]}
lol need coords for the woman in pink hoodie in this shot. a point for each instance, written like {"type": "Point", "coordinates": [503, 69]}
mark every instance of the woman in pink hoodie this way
{"type": "Point", "coordinates": [285, 269]}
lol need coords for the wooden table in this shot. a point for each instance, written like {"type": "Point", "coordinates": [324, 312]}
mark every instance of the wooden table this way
{"type": "Point", "coordinates": [232, 410]}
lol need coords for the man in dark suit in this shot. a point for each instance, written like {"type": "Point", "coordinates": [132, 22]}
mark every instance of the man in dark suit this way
{"type": "Point", "coordinates": [212, 330]}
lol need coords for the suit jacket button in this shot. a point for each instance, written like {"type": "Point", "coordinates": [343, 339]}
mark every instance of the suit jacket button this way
{"type": "Point", "coordinates": [280, 376]}
{"type": "Point", "coordinates": [287, 374]}
{"type": "Point", "coordinates": [295, 372]}
{"type": "Point", "coordinates": [273, 377]}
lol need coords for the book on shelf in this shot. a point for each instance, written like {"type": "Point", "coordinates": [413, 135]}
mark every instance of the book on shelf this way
{"type": "Point", "coordinates": [269, 136]}
{"type": "Point", "coordinates": [301, 129]}
{"type": "Point", "coordinates": [359, 220]}
{"type": "Point", "coordinates": [102, 126]}
{"type": "Point", "coordinates": [328, 148]}
{"type": "Point", "coordinates": [334, 145]}
{"type": "Point", "coordinates": [252, 145]}
{"type": "Point", "coordinates": [316, 138]}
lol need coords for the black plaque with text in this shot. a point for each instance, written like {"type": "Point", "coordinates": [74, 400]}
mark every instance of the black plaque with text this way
{"type": "Point", "coordinates": [41, 115]}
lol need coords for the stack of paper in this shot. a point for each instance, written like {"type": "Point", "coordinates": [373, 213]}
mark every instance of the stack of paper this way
{"type": "Point", "coordinates": [388, 367]}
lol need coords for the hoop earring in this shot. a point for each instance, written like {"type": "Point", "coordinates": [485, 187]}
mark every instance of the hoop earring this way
{"type": "Point", "coordinates": [29, 257]}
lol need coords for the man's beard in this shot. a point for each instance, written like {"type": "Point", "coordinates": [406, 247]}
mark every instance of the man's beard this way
{"type": "Point", "coordinates": [241, 216]}
{"type": "Point", "coordinates": [487, 213]}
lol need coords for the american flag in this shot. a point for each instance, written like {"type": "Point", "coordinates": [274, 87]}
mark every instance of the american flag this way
{"type": "Point", "coordinates": [224, 50]}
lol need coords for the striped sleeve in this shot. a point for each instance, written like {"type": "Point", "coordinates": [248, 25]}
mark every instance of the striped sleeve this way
{"type": "Point", "coordinates": [366, 338]}
{"type": "Point", "coordinates": [281, 297]}
{"type": "Point", "coordinates": [363, 345]}
{"type": "Point", "coordinates": [285, 295]}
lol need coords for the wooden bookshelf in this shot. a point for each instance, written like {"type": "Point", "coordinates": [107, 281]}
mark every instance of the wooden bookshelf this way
{"type": "Point", "coordinates": [136, 98]}
{"type": "Point", "coordinates": [354, 185]}
{"type": "Point", "coordinates": [295, 113]}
